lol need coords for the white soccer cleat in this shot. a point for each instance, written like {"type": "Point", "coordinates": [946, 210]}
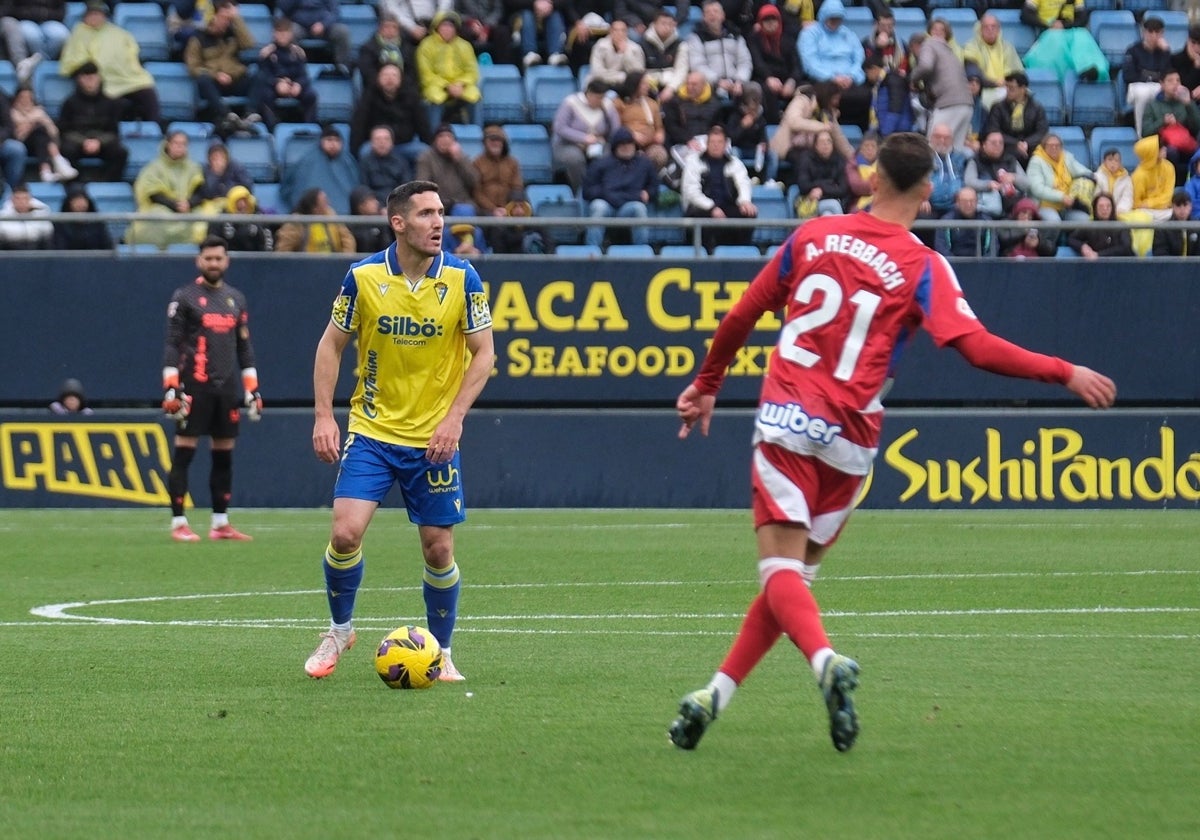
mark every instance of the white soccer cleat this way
{"type": "Point", "coordinates": [449, 672]}
{"type": "Point", "coordinates": [325, 658]}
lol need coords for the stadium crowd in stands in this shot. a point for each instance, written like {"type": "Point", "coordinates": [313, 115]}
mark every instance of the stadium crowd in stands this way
{"type": "Point", "coordinates": [1040, 110]}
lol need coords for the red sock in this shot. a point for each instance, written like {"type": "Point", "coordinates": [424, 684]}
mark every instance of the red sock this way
{"type": "Point", "coordinates": [796, 611]}
{"type": "Point", "coordinates": [758, 635]}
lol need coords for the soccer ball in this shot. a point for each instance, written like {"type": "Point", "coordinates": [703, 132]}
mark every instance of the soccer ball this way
{"type": "Point", "coordinates": [409, 657]}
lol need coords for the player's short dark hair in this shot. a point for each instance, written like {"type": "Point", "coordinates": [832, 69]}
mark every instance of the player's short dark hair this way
{"type": "Point", "coordinates": [905, 159]}
{"type": "Point", "coordinates": [400, 198]}
{"type": "Point", "coordinates": [213, 241]}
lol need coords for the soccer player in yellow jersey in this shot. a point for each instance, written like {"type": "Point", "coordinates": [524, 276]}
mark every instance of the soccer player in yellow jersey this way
{"type": "Point", "coordinates": [424, 335]}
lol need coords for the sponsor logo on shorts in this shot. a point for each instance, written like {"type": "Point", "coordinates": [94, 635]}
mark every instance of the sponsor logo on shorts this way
{"type": "Point", "coordinates": [793, 418]}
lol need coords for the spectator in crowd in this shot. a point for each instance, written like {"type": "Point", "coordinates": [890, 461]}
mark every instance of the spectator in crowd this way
{"type": "Point", "coordinates": [978, 112]}
{"type": "Point", "coordinates": [485, 27]}
{"type": "Point", "coordinates": [821, 179]}
{"type": "Point", "coordinates": [1055, 14]}
{"type": "Point", "coordinates": [20, 227]}
{"type": "Point", "coordinates": [89, 125]}
{"type": "Point", "coordinates": [882, 42]}
{"type": "Point", "coordinates": [720, 52]}
{"type": "Point", "coordinates": [1175, 242]}
{"type": "Point", "coordinates": [1092, 242]}
{"type": "Point", "coordinates": [774, 61]}
{"type": "Point", "coordinates": [115, 52]}
{"type": "Point", "coordinates": [373, 238]}
{"type": "Point", "coordinates": [1187, 62]}
{"type": "Point", "coordinates": [390, 101]}
{"type": "Point", "coordinates": [587, 22]}
{"type": "Point", "coordinates": [949, 169]}
{"type": "Point", "coordinates": [447, 165]}
{"type": "Point", "coordinates": [1019, 117]}
{"type": "Point", "coordinates": [499, 173]}
{"type": "Point", "coordinates": [1153, 179]}
{"type": "Point", "coordinates": [995, 57]}
{"type": "Point", "coordinates": [1112, 178]}
{"type": "Point", "coordinates": [449, 71]}
{"type": "Point", "coordinates": [582, 126]}
{"type": "Point", "coordinates": [797, 14]}
{"type": "Point", "coordinates": [381, 166]}
{"type": "Point", "coordinates": [543, 32]}
{"type": "Point", "coordinates": [387, 46]}
{"type": "Point", "coordinates": [966, 241]}
{"type": "Point", "coordinates": [688, 115]}
{"type": "Point", "coordinates": [859, 169]}
{"type": "Point", "coordinates": [716, 185]}
{"type": "Point", "coordinates": [320, 20]}
{"type": "Point", "coordinates": [415, 16]}
{"type": "Point", "coordinates": [283, 75]}
{"type": "Point", "coordinates": [832, 53]}
{"type": "Point", "coordinates": [1052, 171]}
{"type": "Point", "coordinates": [1143, 67]}
{"type": "Point", "coordinates": [1176, 121]}
{"type": "Point", "coordinates": [890, 108]}
{"type": "Point", "coordinates": [640, 14]}
{"type": "Point", "coordinates": [622, 183]}
{"type": "Point", "coordinates": [521, 238]}
{"type": "Point", "coordinates": [212, 59]}
{"type": "Point", "coordinates": [746, 128]}
{"type": "Point", "coordinates": [1192, 185]}
{"type": "Point", "coordinates": [614, 57]}
{"type": "Point", "coordinates": [170, 184]}
{"type": "Point", "coordinates": [666, 55]}
{"type": "Point", "coordinates": [945, 82]}
{"type": "Point", "coordinates": [814, 108]}
{"type": "Point", "coordinates": [1026, 242]}
{"type": "Point", "coordinates": [222, 173]}
{"type": "Point", "coordinates": [939, 27]}
{"type": "Point", "coordinates": [71, 399]}
{"type": "Point", "coordinates": [329, 166]}
{"type": "Point", "coordinates": [1064, 45]}
{"type": "Point", "coordinates": [242, 236]}
{"type": "Point", "coordinates": [86, 234]}
{"type": "Point", "coordinates": [32, 31]}
{"type": "Point", "coordinates": [32, 126]}
{"type": "Point", "coordinates": [639, 111]}
{"type": "Point", "coordinates": [997, 177]}
{"type": "Point", "coordinates": [315, 237]}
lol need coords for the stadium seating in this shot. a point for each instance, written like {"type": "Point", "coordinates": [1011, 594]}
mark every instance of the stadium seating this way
{"type": "Point", "coordinates": [771, 204]}
{"type": "Point", "coordinates": [267, 196]}
{"type": "Point", "coordinates": [1075, 142]}
{"type": "Point", "coordinates": [257, 154]}
{"type": "Point", "coordinates": [1020, 35]}
{"type": "Point", "coordinates": [148, 26]}
{"type": "Point", "coordinates": [142, 150]}
{"type": "Point", "coordinates": [630, 250]}
{"type": "Point", "coordinates": [962, 21]}
{"type": "Point", "coordinates": [8, 76]}
{"type": "Point", "coordinates": [909, 21]}
{"type": "Point", "coordinates": [1093, 104]}
{"type": "Point", "coordinates": [556, 201]}
{"type": "Point", "coordinates": [680, 252]}
{"type": "Point", "coordinates": [859, 20]}
{"type": "Point", "coordinates": [305, 136]}
{"type": "Point", "coordinates": [52, 92]}
{"type": "Point", "coordinates": [257, 17]}
{"type": "Point", "coordinates": [362, 21]}
{"type": "Point", "coordinates": [51, 194]}
{"type": "Point", "coordinates": [740, 252]}
{"type": "Point", "coordinates": [74, 13]}
{"type": "Point", "coordinates": [470, 137]}
{"type": "Point", "coordinates": [538, 72]}
{"type": "Point", "coordinates": [572, 250]}
{"type": "Point", "coordinates": [503, 97]}
{"type": "Point", "coordinates": [176, 89]}
{"type": "Point", "coordinates": [530, 145]}
{"type": "Point", "coordinates": [1113, 39]}
{"type": "Point", "coordinates": [335, 94]}
{"type": "Point", "coordinates": [1049, 93]}
{"type": "Point", "coordinates": [1112, 17]}
{"type": "Point", "coordinates": [548, 92]}
{"type": "Point", "coordinates": [113, 197]}
{"type": "Point", "coordinates": [1175, 28]}
{"type": "Point", "coordinates": [139, 128]}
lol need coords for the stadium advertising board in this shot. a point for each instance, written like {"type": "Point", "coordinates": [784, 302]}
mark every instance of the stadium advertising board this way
{"type": "Point", "coordinates": [928, 459]}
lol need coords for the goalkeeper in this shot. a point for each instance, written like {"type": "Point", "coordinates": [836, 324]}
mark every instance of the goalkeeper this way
{"type": "Point", "coordinates": [208, 377]}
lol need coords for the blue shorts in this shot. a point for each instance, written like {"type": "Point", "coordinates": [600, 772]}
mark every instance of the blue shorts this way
{"type": "Point", "coordinates": [432, 493]}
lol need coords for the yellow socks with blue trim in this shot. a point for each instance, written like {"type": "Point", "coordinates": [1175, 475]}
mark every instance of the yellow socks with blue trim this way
{"type": "Point", "coordinates": [343, 574]}
{"type": "Point", "coordinates": [440, 587]}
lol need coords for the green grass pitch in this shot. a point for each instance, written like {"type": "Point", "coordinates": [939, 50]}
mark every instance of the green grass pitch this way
{"type": "Point", "coordinates": [1025, 675]}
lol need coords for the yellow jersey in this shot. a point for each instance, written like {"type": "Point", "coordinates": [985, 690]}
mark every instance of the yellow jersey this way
{"type": "Point", "coordinates": [411, 336]}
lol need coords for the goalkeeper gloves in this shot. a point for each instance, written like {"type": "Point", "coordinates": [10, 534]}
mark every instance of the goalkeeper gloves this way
{"type": "Point", "coordinates": [176, 404]}
{"type": "Point", "coordinates": [252, 401]}
{"type": "Point", "coordinates": [253, 405]}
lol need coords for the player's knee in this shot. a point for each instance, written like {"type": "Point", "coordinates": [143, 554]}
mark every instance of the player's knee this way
{"type": "Point", "coordinates": [345, 540]}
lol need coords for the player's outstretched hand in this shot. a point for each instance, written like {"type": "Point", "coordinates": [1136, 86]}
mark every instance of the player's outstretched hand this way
{"type": "Point", "coordinates": [1095, 389]}
{"type": "Point", "coordinates": [694, 407]}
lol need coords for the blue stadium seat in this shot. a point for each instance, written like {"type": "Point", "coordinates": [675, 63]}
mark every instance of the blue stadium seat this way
{"type": "Point", "coordinates": [194, 129]}
{"type": "Point", "coordinates": [548, 93]}
{"type": "Point", "coordinates": [362, 21]}
{"type": "Point", "coordinates": [305, 134]}
{"type": "Point", "coordinates": [1175, 28]}
{"type": "Point", "coordinates": [909, 21]}
{"type": "Point", "coordinates": [1049, 93]}
{"type": "Point", "coordinates": [139, 128]}
{"type": "Point", "coordinates": [571, 250]}
{"type": "Point", "coordinates": [557, 201]}
{"type": "Point", "coordinates": [142, 150]}
{"type": "Point", "coordinates": [623, 250]}
{"type": "Point", "coordinates": [1110, 17]}
{"type": "Point", "coordinates": [1120, 136]}
{"type": "Point", "coordinates": [962, 21]}
{"type": "Point", "coordinates": [257, 17]}
{"type": "Point", "coordinates": [150, 34]}
{"type": "Point", "coordinates": [771, 204]}
{"type": "Point", "coordinates": [1114, 39]}
{"type": "Point", "coordinates": [739, 252]}
{"type": "Point", "coordinates": [1093, 104]}
{"type": "Point", "coordinates": [853, 133]}
{"type": "Point", "coordinates": [537, 72]}
{"type": "Point", "coordinates": [470, 137]}
{"type": "Point", "coordinates": [8, 77]}
{"type": "Point", "coordinates": [1020, 35]}
{"type": "Point", "coordinates": [267, 196]}
{"type": "Point", "coordinates": [74, 13]}
{"type": "Point", "coordinates": [503, 99]}
{"type": "Point", "coordinates": [52, 91]}
{"type": "Point", "coordinates": [1075, 142]}
{"type": "Point", "coordinates": [176, 89]}
{"type": "Point", "coordinates": [113, 197]}
{"type": "Point", "coordinates": [257, 154]}
{"type": "Point", "coordinates": [335, 95]}
{"type": "Point", "coordinates": [530, 145]}
{"type": "Point", "coordinates": [681, 252]}
{"type": "Point", "coordinates": [49, 193]}
{"type": "Point", "coordinates": [859, 20]}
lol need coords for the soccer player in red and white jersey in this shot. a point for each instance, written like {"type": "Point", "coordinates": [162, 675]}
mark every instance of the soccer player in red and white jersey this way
{"type": "Point", "coordinates": [853, 288]}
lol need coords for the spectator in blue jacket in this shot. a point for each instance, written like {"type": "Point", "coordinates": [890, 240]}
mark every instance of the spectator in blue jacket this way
{"type": "Point", "coordinates": [283, 74]}
{"type": "Point", "coordinates": [320, 19]}
{"type": "Point", "coordinates": [622, 183]}
{"type": "Point", "coordinates": [966, 241]}
{"type": "Point", "coordinates": [831, 52]}
{"type": "Point", "coordinates": [328, 166]}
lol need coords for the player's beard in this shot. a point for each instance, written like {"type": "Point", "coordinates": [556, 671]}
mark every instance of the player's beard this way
{"type": "Point", "coordinates": [212, 276]}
